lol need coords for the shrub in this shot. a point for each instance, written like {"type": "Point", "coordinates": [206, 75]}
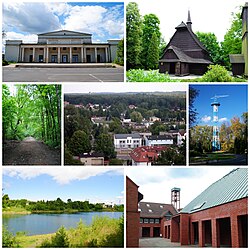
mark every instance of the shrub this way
{"type": "Point", "coordinates": [140, 75]}
{"type": "Point", "coordinates": [216, 73]}
{"type": "Point", "coordinates": [4, 63]}
{"type": "Point", "coordinates": [8, 240]}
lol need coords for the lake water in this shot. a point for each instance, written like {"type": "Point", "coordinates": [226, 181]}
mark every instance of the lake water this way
{"type": "Point", "coordinates": [34, 224]}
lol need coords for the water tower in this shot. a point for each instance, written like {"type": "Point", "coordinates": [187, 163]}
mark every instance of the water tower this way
{"type": "Point", "coordinates": [175, 198]}
{"type": "Point", "coordinates": [216, 138]}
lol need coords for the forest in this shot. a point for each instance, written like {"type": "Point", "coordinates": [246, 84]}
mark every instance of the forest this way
{"type": "Point", "coordinates": [57, 205]}
{"type": "Point", "coordinates": [81, 131]}
{"type": "Point", "coordinates": [30, 113]}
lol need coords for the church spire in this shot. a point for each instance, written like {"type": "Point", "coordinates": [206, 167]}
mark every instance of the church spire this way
{"type": "Point", "coordinates": [189, 23]}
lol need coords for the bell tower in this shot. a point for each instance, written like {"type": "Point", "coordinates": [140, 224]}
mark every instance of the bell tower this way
{"type": "Point", "coordinates": [189, 23]}
{"type": "Point", "coordinates": [175, 198]}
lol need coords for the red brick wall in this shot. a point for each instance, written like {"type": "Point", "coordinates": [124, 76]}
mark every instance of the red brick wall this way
{"type": "Point", "coordinates": [184, 229]}
{"type": "Point", "coordinates": [132, 214]}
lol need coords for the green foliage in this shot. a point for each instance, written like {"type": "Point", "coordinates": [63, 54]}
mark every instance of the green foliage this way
{"type": "Point", "coordinates": [134, 33]}
{"type": "Point", "coordinates": [103, 232]}
{"type": "Point", "coordinates": [193, 93]}
{"type": "Point", "coordinates": [79, 143]}
{"type": "Point", "coordinates": [33, 110]}
{"type": "Point", "coordinates": [116, 162]}
{"type": "Point", "coordinates": [136, 117]}
{"type": "Point", "coordinates": [139, 75]}
{"type": "Point", "coordinates": [8, 240]}
{"type": "Point", "coordinates": [4, 62]}
{"type": "Point", "coordinates": [216, 73]}
{"type": "Point", "coordinates": [171, 156]}
{"type": "Point", "coordinates": [209, 40]}
{"type": "Point", "coordinates": [120, 53]}
{"type": "Point", "coordinates": [150, 41]}
{"type": "Point", "coordinates": [104, 144]}
{"type": "Point", "coordinates": [233, 39]}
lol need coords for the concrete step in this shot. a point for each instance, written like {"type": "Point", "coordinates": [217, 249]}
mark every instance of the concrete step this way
{"type": "Point", "coordinates": [65, 65]}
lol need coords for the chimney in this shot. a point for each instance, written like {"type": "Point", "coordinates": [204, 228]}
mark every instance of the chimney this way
{"type": "Point", "coordinates": [189, 23]}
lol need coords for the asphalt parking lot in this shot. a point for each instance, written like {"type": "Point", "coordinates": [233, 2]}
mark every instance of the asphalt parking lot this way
{"type": "Point", "coordinates": [12, 74]}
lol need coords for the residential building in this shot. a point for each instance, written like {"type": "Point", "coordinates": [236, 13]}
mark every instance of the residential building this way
{"type": "Point", "coordinates": [61, 46]}
{"type": "Point", "coordinates": [146, 155]}
{"type": "Point", "coordinates": [184, 54]}
{"type": "Point", "coordinates": [178, 135]}
{"type": "Point", "coordinates": [132, 213]}
{"type": "Point", "coordinates": [92, 159]}
{"type": "Point", "coordinates": [159, 140]}
{"type": "Point", "coordinates": [153, 216]}
{"type": "Point", "coordinates": [218, 217]}
{"type": "Point", "coordinates": [127, 141]}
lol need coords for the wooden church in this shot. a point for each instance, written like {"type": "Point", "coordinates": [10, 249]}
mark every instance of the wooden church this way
{"type": "Point", "coordinates": [184, 54]}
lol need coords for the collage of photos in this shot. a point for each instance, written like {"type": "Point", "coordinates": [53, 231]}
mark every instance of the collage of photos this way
{"type": "Point", "coordinates": [124, 124]}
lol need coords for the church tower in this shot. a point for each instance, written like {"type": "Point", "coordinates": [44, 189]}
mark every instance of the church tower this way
{"type": "Point", "coordinates": [189, 23]}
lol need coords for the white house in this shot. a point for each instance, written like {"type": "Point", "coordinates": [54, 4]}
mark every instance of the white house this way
{"type": "Point", "coordinates": [61, 46]}
{"type": "Point", "coordinates": [127, 141]}
{"type": "Point", "coordinates": [159, 140]}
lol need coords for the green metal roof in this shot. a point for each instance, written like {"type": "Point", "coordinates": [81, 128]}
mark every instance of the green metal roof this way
{"type": "Point", "coordinates": [231, 187]}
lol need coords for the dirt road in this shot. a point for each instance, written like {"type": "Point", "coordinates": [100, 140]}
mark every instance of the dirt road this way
{"type": "Point", "coordinates": [29, 152]}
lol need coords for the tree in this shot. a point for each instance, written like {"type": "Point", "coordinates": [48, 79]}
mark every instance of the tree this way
{"type": "Point", "coordinates": [134, 33]}
{"type": "Point", "coordinates": [150, 41]}
{"type": "Point", "coordinates": [104, 144]}
{"type": "Point", "coordinates": [209, 40]}
{"type": "Point", "coordinates": [233, 39]}
{"type": "Point", "coordinates": [79, 143]}
{"type": "Point", "coordinates": [193, 93]}
{"type": "Point", "coordinates": [136, 116]}
{"type": "Point", "coordinates": [120, 53]}
{"type": "Point", "coordinates": [153, 56]}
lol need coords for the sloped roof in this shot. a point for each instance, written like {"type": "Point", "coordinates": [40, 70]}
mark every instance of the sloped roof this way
{"type": "Point", "coordinates": [236, 58]}
{"type": "Point", "coordinates": [57, 32]}
{"type": "Point", "coordinates": [183, 57]}
{"type": "Point", "coordinates": [155, 210]}
{"type": "Point", "coordinates": [125, 136]}
{"type": "Point", "coordinates": [231, 187]}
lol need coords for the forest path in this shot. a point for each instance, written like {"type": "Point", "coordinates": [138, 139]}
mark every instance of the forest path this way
{"type": "Point", "coordinates": [29, 152]}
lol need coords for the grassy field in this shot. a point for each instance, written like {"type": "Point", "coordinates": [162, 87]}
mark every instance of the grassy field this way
{"type": "Point", "coordinates": [216, 156]}
{"type": "Point", "coordinates": [15, 210]}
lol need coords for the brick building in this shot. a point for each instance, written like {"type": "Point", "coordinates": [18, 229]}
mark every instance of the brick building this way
{"type": "Point", "coordinates": [132, 213]}
{"type": "Point", "coordinates": [153, 216]}
{"type": "Point", "coordinates": [218, 217]}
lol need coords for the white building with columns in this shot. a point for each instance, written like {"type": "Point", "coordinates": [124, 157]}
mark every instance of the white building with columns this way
{"type": "Point", "coordinates": [62, 46]}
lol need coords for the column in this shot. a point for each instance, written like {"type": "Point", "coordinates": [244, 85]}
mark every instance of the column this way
{"type": "Point", "coordinates": [44, 54]}
{"type": "Point", "coordinates": [82, 54]}
{"type": "Point", "coordinates": [47, 55]}
{"type": "Point", "coordinates": [95, 54]}
{"type": "Point", "coordinates": [22, 54]}
{"type": "Point", "coordinates": [59, 55]}
{"type": "Point", "coordinates": [85, 54]}
{"type": "Point", "coordinates": [201, 233]}
{"type": "Point", "coordinates": [34, 54]}
{"type": "Point", "coordinates": [215, 233]}
{"type": "Point", "coordinates": [151, 232]}
{"type": "Point", "coordinates": [70, 54]}
{"type": "Point", "coordinates": [235, 231]}
{"type": "Point", "coordinates": [106, 55]}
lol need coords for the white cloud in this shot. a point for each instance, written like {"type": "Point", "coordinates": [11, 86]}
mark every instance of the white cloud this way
{"type": "Point", "coordinates": [206, 118]}
{"type": "Point", "coordinates": [224, 119]}
{"type": "Point", "coordinates": [156, 183]}
{"type": "Point", "coordinates": [19, 36]}
{"type": "Point", "coordinates": [61, 175]}
{"type": "Point", "coordinates": [29, 17]}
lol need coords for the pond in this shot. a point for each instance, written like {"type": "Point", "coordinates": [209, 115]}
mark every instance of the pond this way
{"type": "Point", "coordinates": [34, 224]}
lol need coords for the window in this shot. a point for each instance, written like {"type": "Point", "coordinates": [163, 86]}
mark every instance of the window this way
{"type": "Point", "coordinates": [53, 48]}
{"type": "Point", "coordinates": [157, 221]}
{"type": "Point", "coordinates": [151, 221]}
{"type": "Point", "coordinates": [148, 205]}
{"type": "Point", "coordinates": [141, 220]}
{"type": "Point", "coordinates": [64, 48]}
{"type": "Point", "coordinates": [150, 211]}
{"type": "Point", "coordinates": [145, 220]}
{"type": "Point", "coordinates": [74, 48]}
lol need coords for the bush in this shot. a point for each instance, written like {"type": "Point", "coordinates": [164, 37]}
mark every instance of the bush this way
{"type": "Point", "coordinates": [216, 73]}
{"type": "Point", "coordinates": [4, 63]}
{"type": "Point", "coordinates": [8, 240]}
{"type": "Point", "coordinates": [140, 75]}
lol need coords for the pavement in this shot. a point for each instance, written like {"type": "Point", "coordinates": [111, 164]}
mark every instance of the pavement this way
{"type": "Point", "coordinates": [63, 73]}
{"type": "Point", "coordinates": [160, 242]}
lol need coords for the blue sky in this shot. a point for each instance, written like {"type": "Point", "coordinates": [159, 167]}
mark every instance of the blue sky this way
{"type": "Point", "coordinates": [24, 20]}
{"type": "Point", "coordinates": [156, 183]}
{"type": "Point", "coordinates": [232, 105]}
{"type": "Point", "coordinates": [93, 184]}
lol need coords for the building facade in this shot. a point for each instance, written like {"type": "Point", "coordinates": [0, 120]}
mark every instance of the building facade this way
{"type": "Point", "coordinates": [62, 46]}
{"type": "Point", "coordinates": [127, 141]}
{"type": "Point", "coordinates": [159, 140]}
{"type": "Point", "coordinates": [132, 213]}
{"type": "Point", "coordinates": [184, 54]}
{"type": "Point", "coordinates": [218, 217]}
